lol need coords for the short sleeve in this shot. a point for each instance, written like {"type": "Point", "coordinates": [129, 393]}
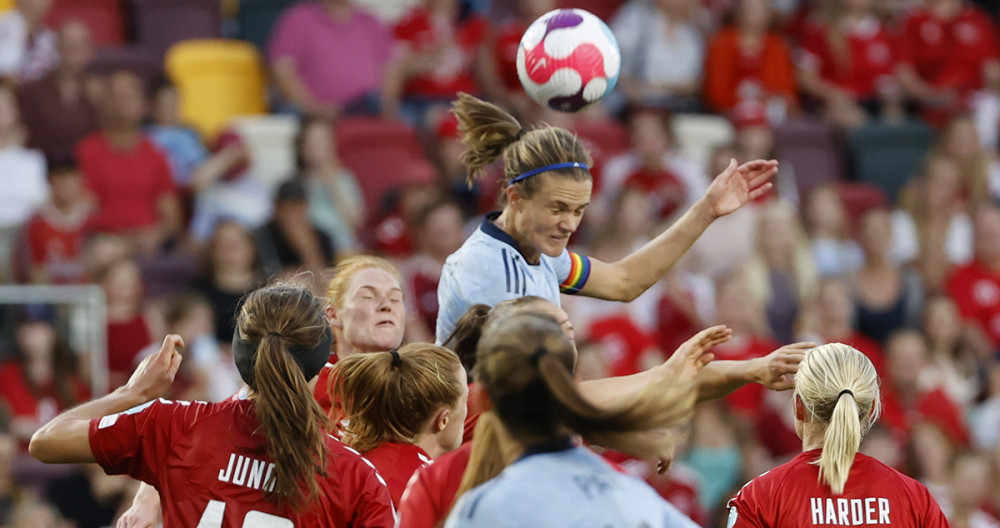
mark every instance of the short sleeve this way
{"type": "Point", "coordinates": [933, 516]}
{"type": "Point", "coordinates": [572, 269]}
{"type": "Point", "coordinates": [133, 442]}
{"type": "Point", "coordinates": [745, 509]}
{"type": "Point", "coordinates": [466, 279]}
{"type": "Point", "coordinates": [417, 508]}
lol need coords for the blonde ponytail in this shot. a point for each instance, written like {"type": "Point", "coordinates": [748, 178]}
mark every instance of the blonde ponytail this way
{"type": "Point", "coordinates": [838, 386]}
{"type": "Point", "coordinates": [486, 130]}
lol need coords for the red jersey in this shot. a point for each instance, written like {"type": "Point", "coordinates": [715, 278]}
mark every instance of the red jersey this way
{"type": "Point", "coordinates": [869, 60]}
{"type": "Point", "coordinates": [125, 340]}
{"type": "Point", "coordinates": [127, 184]}
{"type": "Point", "coordinates": [397, 463]}
{"type": "Point", "coordinates": [55, 243]}
{"type": "Point", "coordinates": [211, 469]}
{"type": "Point", "coordinates": [456, 45]}
{"type": "Point", "coordinates": [735, 73]}
{"type": "Point", "coordinates": [322, 389]}
{"type": "Point", "coordinates": [431, 492]}
{"type": "Point", "coordinates": [622, 343]}
{"type": "Point", "coordinates": [791, 495]}
{"type": "Point", "coordinates": [949, 53]}
{"type": "Point", "coordinates": [976, 291]}
{"type": "Point", "coordinates": [929, 406]}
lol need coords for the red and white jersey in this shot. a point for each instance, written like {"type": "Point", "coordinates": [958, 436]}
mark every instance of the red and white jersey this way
{"type": "Point", "coordinates": [212, 470]}
{"type": "Point", "coordinates": [949, 53]}
{"type": "Point", "coordinates": [976, 291]}
{"type": "Point", "coordinates": [791, 496]}
{"type": "Point", "coordinates": [870, 61]}
{"type": "Point", "coordinates": [397, 463]}
{"type": "Point", "coordinates": [431, 492]}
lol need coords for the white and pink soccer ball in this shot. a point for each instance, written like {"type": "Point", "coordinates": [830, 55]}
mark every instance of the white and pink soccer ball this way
{"type": "Point", "coordinates": [568, 59]}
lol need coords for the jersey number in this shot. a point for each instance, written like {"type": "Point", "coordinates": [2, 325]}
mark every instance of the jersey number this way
{"type": "Point", "coordinates": [212, 518]}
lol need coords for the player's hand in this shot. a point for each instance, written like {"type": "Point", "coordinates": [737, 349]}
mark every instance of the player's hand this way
{"type": "Point", "coordinates": [737, 186]}
{"type": "Point", "coordinates": [144, 511]}
{"type": "Point", "coordinates": [692, 355]}
{"type": "Point", "coordinates": [155, 374]}
{"type": "Point", "coordinates": [775, 370]}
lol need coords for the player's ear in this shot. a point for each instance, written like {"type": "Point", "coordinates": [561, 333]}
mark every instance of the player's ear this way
{"type": "Point", "coordinates": [800, 408]}
{"type": "Point", "coordinates": [441, 419]}
{"type": "Point", "coordinates": [331, 317]}
{"type": "Point", "coordinates": [513, 197]}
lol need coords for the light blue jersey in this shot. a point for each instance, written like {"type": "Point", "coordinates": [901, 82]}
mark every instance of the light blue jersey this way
{"type": "Point", "coordinates": [571, 487]}
{"type": "Point", "coordinates": [489, 269]}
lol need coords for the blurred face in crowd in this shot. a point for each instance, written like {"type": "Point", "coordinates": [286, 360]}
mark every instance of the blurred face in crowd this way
{"type": "Point", "coordinates": [961, 138]}
{"type": "Point", "coordinates": [66, 185]}
{"type": "Point", "coordinates": [735, 305]}
{"type": "Point", "coordinates": [907, 355]}
{"type": "Point", "coordinates": [547, 219]}
{"type": "Point", "coordinates": [970, 483]}
{"type": "Point", "coordinates": [825, 212]}
{"type": "Point", "coordinates": [835, 304]}
{"type": "Point", "coordinates": [76, 49]}
{"type": "Point", "coordinates": [317, 144]}
{"type": "Point", "coordinates": [634, 214]}
{"type": "Point", "coordinates": [126, 103]}
{"type": "Point", "coordinates": [754, 15]}
{"type": "Point", "coordinates": [532, 9]}
{"type": "Point", "coordinates": [776, 235]}
{"type": "Point", "coordinates": [233, 248]}
{"type": "Point", "coordinates": [649, 137]}
{"type": "Point", "coordinates": [931, 449]}
{"type": "Point", "coordinates": [987, 236]}
{"type": "Point", "coordinates": [123, 284]}
{"type": "Point", "coordinates": [442, 231]}
{"type": "Point", "coordinates": [37, 341]}
{"type": "Point", "coordinates": [166, 106]}
{"type": "Point", "coordinates": [942, 184]}
{"type": "Point", "coordinates": [372, 314]}
{"type": "Point", "coordinates": [875, 236]}
{"type": "Point", "coordinates": [755, 141]}
{"type": "Point", "coordinates": [942, 323]}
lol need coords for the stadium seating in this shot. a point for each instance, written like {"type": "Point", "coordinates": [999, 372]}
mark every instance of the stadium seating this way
{"type": "Point", "coordinates": [858, 198]}
{"type": "Point", "coordinates": [217, 79]}
{"type": "Point", "coordinates": [809, 145]}
{"type": "Point", "coordinates": [376, 151]}
{"type": "Point", "coordinates": [104, 18]}
{"type": "Point", "coordinates": [270, 139]}
{"type": "Point", "coordinates": [604, 138]}
{"type": "Point", "coordinates": [887, 155]}
{"type": "Point", "coordinates": [256, 18]}
{"type": "Point", "coordinates": [160, 24]}
{"type": "Point", "coordinates": [697, 134]}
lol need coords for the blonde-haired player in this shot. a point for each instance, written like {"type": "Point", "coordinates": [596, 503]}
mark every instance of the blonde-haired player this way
{"type": "Point", "coordinates": [831, 484]}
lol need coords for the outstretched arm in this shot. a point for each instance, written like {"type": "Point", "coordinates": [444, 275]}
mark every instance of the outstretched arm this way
{"type": "Point", "coordinates": [774, 371]}
{"type": "Point", "coordinates": [66, 439]}
{"type": "Point", "coordinates": [629, 277]}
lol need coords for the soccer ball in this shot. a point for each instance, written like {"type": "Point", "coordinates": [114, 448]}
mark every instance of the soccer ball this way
{"type": "Point", "coordinates": [568, 59]}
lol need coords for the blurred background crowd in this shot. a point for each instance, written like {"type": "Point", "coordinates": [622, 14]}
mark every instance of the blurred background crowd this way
{"type": "Point", "coordinates": [176, 154]}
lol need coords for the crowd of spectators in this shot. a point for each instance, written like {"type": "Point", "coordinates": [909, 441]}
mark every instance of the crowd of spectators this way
{"type": "Point", "coordinates": [102, 183]}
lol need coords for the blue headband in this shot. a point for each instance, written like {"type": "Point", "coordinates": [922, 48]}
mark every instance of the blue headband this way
{"type": "Point", "coordinates": [554, 166]}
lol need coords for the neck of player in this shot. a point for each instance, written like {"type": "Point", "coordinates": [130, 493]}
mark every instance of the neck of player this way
{"type": "Point", "coordinates": [506, 223]}
{"type": "Point", "coordinates": [812, 436]}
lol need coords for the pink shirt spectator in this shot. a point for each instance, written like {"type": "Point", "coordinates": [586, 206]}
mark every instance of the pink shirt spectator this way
{"type": "Point", "coordinates": [338, 60]}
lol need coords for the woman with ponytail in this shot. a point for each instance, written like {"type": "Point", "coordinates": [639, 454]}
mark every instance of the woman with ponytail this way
{"type": "Point", "coordinates": [524, 365]}
{"type": "Point", "coordinates": [262, 458]}
{"type": "Point", "coordinates": [836, 401]}
{"type": "Point", "coordinates": [402, 408]}
{"type": "Point", "coordinates": [521, 250]}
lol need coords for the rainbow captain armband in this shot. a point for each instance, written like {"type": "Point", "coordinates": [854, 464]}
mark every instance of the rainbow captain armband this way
{"type": "Point", "coordinates": [579, 272]}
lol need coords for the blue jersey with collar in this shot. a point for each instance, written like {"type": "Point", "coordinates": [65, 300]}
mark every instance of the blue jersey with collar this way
{"type": "Point", "coordinates": [489, 269]}
{"type": "Point", "coordinates": [570, 487]}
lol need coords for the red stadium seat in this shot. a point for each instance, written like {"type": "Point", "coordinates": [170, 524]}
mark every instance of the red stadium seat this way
{"type": "Point", "coordinates": [812, 150]}
{"type": "Point", "coordinates": [858, 198]}
{"type": "Point", "coordinates": [379, 170]}
{"type": "Point", "coordinates": [104, 18]}
{"type": "Point", "coordinates": [161, 23]}
{"type": "Point", "coordinates": [372, 133]}
{"type": "Point", "coordinates": [604, 138]}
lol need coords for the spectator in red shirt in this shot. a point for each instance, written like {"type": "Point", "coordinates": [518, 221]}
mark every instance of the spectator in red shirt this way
{"type": "Point", "coordinates": [441, 47]}
{"type": "Point", "coordinates": [261, 458]}
{"type": "Point", "coordinates": [41, 378]}
{"type": "Point", "coordinates": [438, 232]}
{"type": "Point", "coordinates": [51, 249]}
{"type": "Point", "coordinates": [947, 52]}
{"type": "Point", "coordinates": [975, 287]}
{"type": "Point", "coordinates": [128, 331]}
{"type": "Point", "coordinates": [500, 61]}
{"type": "Point", "coordinates": [907, 396]}
{"type": "Point", "coordinates": [847, 60]}
{"type": "Point", "coordinates": [128, 177]}
{"type": "Point", "coordinates": [403, 408]}
{"type": "Point", "coordinates": [747, 61]}
{"type": "Point", "coordinates": [830, 483]}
